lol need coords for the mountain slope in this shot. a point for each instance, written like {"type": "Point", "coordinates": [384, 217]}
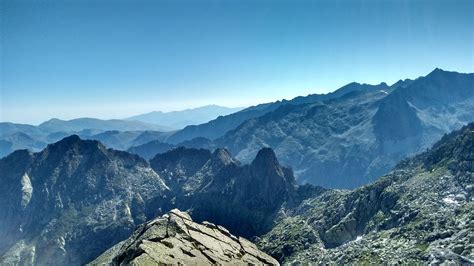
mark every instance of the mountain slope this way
{"type": "Point", "coordinates": [421, 212]}
{"type": "Point", "coordinates": [18, 141]}
{"type": "Point", "coordinates": [221, 125]}
{"type": "Point", "coordinates": [56, 202]}
{"type": "Point", "coordinates": [181, 119]}
{"type": "Point", "coordinates": [348, 141]}
{"type": "Point", "coordinates": [150, 149]}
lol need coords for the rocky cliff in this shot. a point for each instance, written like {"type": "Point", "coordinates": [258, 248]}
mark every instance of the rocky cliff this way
{"type": "Point", "coordinates": [421, 212]}
{"type": "Point", "coordinates": [57, 202]}
{"type": "Point", "coordinates": [216, 187]}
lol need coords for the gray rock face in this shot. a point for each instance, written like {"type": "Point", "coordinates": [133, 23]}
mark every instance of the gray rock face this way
{"type": "Point", "coordinates": [421, 212]}
{"type": "Point", "coordinates": [57, 202]}
{"type": "Point", "coordinates": [215, 187]}
{"type": "Point", "coordinates": [174, 239]}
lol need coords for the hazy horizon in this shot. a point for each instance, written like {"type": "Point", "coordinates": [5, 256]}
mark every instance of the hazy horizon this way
{"type": "Point", "coordinates": [143, 106]}
{"type": "Point", "coordinates": [118, 59]}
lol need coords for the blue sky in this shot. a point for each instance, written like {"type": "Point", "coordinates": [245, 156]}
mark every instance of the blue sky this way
{"type": "Point", "coordinates": [113, 59]}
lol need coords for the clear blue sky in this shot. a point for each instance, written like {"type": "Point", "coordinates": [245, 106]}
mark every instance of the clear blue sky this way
{"type": "Point", "coordinates": [112, 59]}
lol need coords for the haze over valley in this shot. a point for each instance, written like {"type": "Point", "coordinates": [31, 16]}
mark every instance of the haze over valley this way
{"type": "Point", "coordinates": [236, 133]}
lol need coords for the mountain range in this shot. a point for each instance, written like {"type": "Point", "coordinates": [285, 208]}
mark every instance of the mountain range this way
{"type": "Point", "coordinates": [72, 201]}
{"type": "Point", "coordinates": [118, 134]}
{"type": "Point", "coordinates": [180, 119]}
{"type": "Point", "coordinates": [115, 133]}
{"type": "Point", "coordinates": [76, 192]}
{"type": "Point", "coordinates": [343, 139]}
{"type": "Point", "coordinates": [346, 138]}
{"type": "Point", "coordinates": [221, 125]}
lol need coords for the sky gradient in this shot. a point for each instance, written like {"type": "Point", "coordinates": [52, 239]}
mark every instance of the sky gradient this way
{"type": "Point", "coordinates": [114, 59]}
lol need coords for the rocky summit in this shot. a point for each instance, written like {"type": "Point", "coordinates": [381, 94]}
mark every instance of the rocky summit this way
{"type": "Point", "coordinates": [57, 202]}
{"type": "Point", "coordinates": [421, 212]}
{"type": "Point", "coordinates": [174, 239]}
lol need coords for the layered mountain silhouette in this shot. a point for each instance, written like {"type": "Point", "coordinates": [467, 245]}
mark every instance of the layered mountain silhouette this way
{"type": "Point", "coordinates": [347, 138]}
{"type": "Point", "coordinates": [221, 125]}
{"type": "Point", "coordinates": [181, 119]}
{"type": "Point", "coordinates": [55, 125]}
{"type": "Point", "coordinates": [343, 139]}
{"type": "Point", "coordinates": [75, 199]}
{"type": "Point", "coordinates": [21, 136]}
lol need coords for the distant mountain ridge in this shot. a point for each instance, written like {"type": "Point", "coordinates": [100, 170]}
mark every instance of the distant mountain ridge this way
{"type": "Point", "coordinates": [341, 139]}
{"type": "Point", "coordinates": [181, 119]}
{"type": "Point", "coordinates": [221, 125]}
{"type": "Point", "coordinates": [347, 141]}
{"type": "Point", "coordinates": [78, 124]}
{"type": "Point", "coordinates": [114, 133]}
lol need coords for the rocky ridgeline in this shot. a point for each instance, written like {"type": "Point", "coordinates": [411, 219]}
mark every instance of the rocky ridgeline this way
{"type": "Point", "coordinates": [76, 192]}
{"type": "Point", "coordinates": [174, 239]}
{"type": "Point", "coordinates": [421, 212]}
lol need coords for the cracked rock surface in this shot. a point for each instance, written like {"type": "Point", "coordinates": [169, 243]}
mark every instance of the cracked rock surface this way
{"type": "Point", "coordinates": [175, 239]}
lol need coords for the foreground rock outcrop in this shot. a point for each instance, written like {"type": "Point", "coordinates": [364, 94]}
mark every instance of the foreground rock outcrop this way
{"type": "Point", "coordinates": [175, 239]}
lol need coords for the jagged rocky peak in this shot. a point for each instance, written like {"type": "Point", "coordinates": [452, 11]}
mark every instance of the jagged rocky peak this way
{"type": "Point", "coordinates": [438, 71]}
{"type": "Point", "coordinates": [223, 155]}
{"type": "Point", "coordinates": [72, 193]}
{"type": "Point", "coordinates": [175, 239]}
{"type": "Point", "coordinates": [70, 141]}
{"type": "Point", "coordinates": [266, 157]}
{"type": "Point", "coordinates": [266, 165]}
{"type": "Point", "coordinates": [73, 143]}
